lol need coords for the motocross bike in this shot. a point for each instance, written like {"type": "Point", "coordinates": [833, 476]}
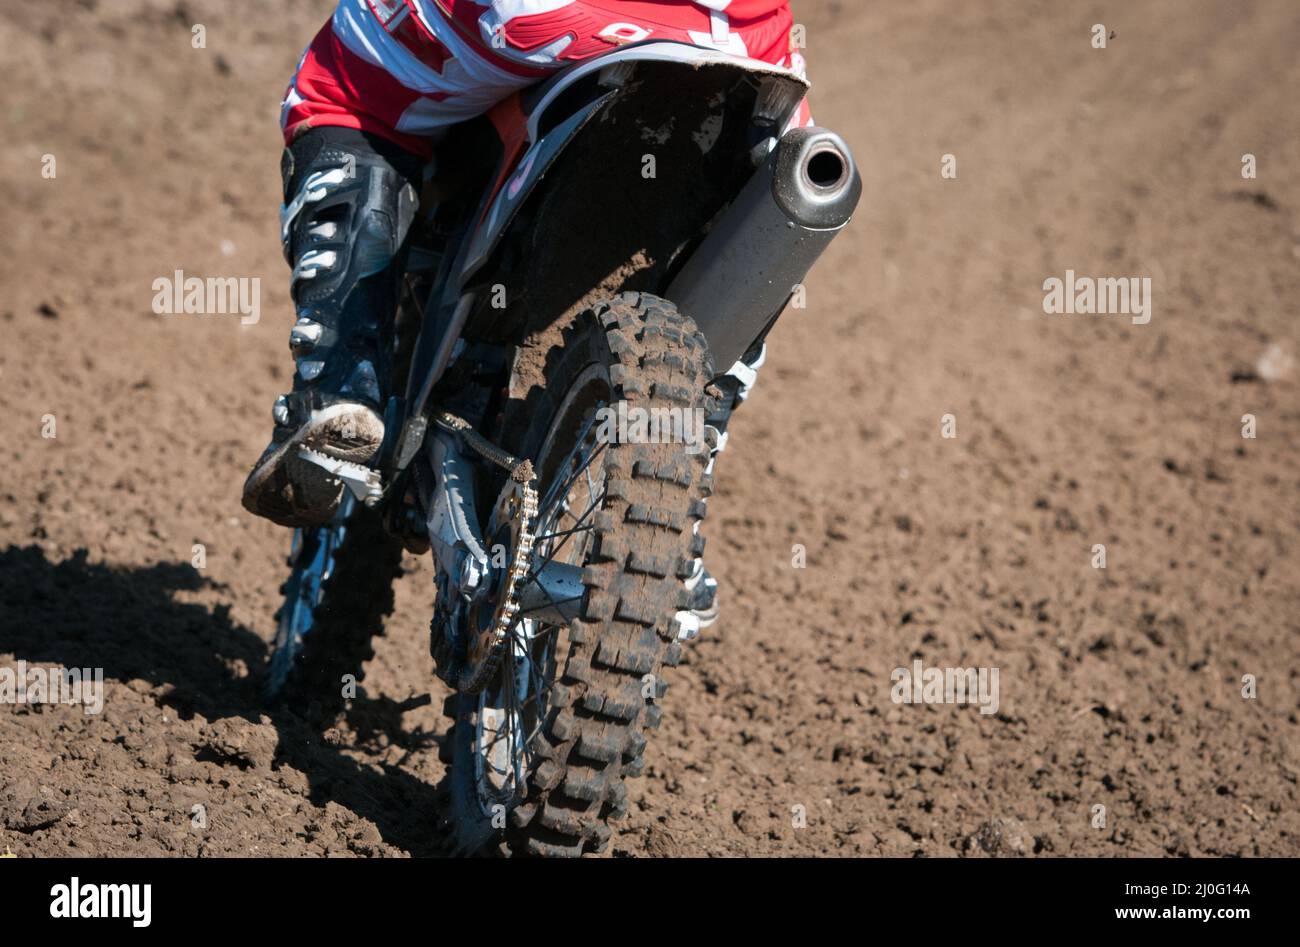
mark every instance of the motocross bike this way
{"type": "Point", "coordinates": [626, 233]}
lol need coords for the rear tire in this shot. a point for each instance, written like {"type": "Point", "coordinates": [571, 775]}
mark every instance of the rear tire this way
{"type": "Point", "coordinates": [603, 680]}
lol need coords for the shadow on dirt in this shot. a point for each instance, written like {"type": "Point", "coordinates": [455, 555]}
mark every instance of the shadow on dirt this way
{"type": "Point", "coordinates": [127, 620]}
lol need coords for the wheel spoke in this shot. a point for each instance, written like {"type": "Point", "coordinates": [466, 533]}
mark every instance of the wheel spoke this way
{"type": "Point", "coordinates": [569, 481]}
{"type": "Point", "coordinates": [577, 446]}
{"type": "Point", "coordinates": [522, 692]}
{"type": "Point", "coordinates": [529, 701]}
{"type": "Point", "coordinates": [565, 532]}
{"type": "Point", "coordinates": [552, 553]}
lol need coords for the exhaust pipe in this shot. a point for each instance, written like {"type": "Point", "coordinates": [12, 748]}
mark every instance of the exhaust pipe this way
{"type": "Point", "coordinates": [742, 276]}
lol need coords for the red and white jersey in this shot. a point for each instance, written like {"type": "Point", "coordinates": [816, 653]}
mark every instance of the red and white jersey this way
{"type": "Point", "coordinates": [408, 68]}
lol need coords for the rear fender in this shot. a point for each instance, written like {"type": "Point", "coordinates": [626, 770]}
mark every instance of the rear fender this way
{"type": "Point", "coordinates": [551, 122]}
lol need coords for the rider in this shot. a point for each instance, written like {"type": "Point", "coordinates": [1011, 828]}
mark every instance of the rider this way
{"type": "Point", "coordinates": [372, 94]}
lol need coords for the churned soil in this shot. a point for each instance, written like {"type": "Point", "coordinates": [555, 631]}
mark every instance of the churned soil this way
{"type": "Point", "coordinates": [850, 535]}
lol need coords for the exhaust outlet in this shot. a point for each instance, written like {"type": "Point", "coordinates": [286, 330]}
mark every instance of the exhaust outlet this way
{"type": "Point", "coordinates": [743, 274]}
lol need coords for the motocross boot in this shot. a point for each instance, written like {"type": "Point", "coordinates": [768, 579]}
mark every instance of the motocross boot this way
{"type": "Point", "coordinates": [700, 605]}
{"type": "Point", "coordinates": [350, 199]}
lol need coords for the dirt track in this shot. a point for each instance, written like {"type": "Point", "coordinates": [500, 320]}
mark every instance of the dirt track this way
{"type": "Point", "coordinates": [1119, 687]}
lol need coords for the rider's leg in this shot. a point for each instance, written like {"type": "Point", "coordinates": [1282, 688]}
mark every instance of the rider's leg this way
{"type": "Point", "coordinates": [349, 201]}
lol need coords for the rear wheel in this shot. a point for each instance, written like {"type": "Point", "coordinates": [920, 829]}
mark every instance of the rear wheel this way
{"type": "Point", "coordinates": [539, 757]}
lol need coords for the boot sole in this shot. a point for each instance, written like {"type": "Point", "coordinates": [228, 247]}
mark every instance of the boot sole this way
{"type": "Point", "coordinates": [293, 492]}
